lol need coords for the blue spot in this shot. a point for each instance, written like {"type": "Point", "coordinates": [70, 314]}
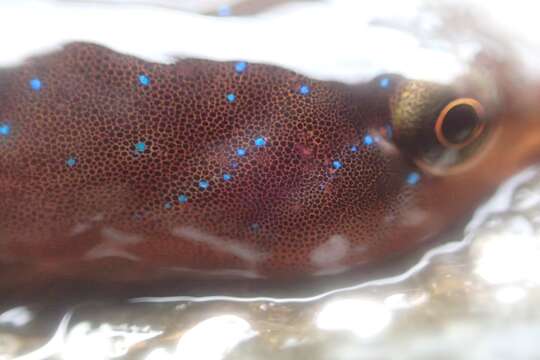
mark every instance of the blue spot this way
{"type": "Point", "coordinates": [231, 97]}
{"type": "Point", "coordinates": [167, 205]}
{"type": "Point", "coordinates": [182, 199]}
{"type": "Point", "coordinates": [260, 142]}
{"type": "Point", "coordinates": [35, 84]}
{"type": "Point", "coordinates": [384, 82]}
{"type": "Point", "coordinates": [224, 10]}
{"type": "Point", "coordinates": [336, 164]}
{"type": "Point", "coordinates": [241, 152]}
{"type": "Point", "coordinates": [368, 140]}
{"type": "Point", "coordinates": [413, 178]}
{"type": "Point", "coordinates": [240, 67]}
{"type": "Point", "coordinates": [144, 80]}
{"type": "Point", "coordinates": [389, 131]}
{"type": "Point", "coordinates": [255, 227]}
{"type": "Point", "coordinates": [5, 129]}
{"type": "Point", "coordinates": [140, 147]}
{"type": "Point", "coordinates": [203, 184]}
{"type": "Point", "coordinates": [71, 162]}
{"type": "Point", "coordinates": [234, 164]}
{"type": "Point", "coordinates": [354, 148]}
{"type": "Point", "coordinates": [227, 177]}
{"type": "Point", "coordinates": [304, 89]}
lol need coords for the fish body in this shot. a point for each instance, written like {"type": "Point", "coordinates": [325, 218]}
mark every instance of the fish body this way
{"type": "Point", "coordinates": [118, 169]}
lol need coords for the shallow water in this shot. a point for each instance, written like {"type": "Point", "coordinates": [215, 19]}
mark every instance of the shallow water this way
{"type": "Point", "coordinates": [472, 297]}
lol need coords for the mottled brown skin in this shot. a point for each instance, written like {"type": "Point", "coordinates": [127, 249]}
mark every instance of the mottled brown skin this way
{"type": "Point", "coordinates": [115, 215]}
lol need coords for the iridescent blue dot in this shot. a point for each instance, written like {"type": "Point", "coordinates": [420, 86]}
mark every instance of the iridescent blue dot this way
{"type": "Point", "coordinates": [413, 178]}
{"type": "Point", "coordinates": [389, 131]}
{"type": "Point", "coordinates": [384, 82]}
{"type": "Point", "coordinates": [167, 205]}
{"type": "Point", "coordinates": [241, 152]}
{"type": "Point", "coordinates": [368, 140]}
{"type": "Point", "coordinates": [71, 162]}
{"type": "Point", "coordinates": [234, 164]}
{"type": "Point", "coordinates": [227, 176]}
{"type": "Point", "coordinates": [260, 142]}
{"type": "Point", "coordinates": [5, 129]}
{"type": "Point", "coordinates": [144, 80]}
{"type": "Point", "coordinates": [231, 97]}
{"type": "Point", "coordinates": [354, 148]}
{"type": "Point", "coordinates": [240, 67]}
{"type": "Point", "coordinates": [255, 227]}
{"type": "Point", "coordinates": [35, 84]}
{"type": "Point", "coordinates": [182, 199]}
{"type": "Point", "coordinates": [336, 164]}
{"type": "Point", "coordinates": [224, 10]}
{"type": "Point", "coordinates": [140, 147]}
{"type": "Point", "coordinates": [203, 184]}
{"type": "Point", "coordinates": [304, 89]}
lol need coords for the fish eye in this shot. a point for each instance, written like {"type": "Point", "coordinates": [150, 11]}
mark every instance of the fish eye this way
{"type": "Point", "coordinates": [460, 123]}
{"type": "Point", "coordinates": [439, 130]}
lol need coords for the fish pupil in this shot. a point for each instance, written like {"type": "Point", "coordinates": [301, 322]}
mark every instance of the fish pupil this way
{"type": "Point", "coordinates": [459, 123]}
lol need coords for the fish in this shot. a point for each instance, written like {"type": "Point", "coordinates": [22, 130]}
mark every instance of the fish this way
{"type": "Point", "coordinates": [117, 169]}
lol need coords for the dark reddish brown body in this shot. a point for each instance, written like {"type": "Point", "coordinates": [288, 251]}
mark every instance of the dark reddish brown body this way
{"type": "Point", "coordinates": [119, 169]}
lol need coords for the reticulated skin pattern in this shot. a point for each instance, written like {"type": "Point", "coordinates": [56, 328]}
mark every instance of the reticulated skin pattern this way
{"type": "Point", "coordinates": [116, 167]}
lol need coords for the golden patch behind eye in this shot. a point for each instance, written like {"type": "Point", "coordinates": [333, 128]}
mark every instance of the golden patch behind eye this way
{"type": "Point", "coordinates": [460, 123]}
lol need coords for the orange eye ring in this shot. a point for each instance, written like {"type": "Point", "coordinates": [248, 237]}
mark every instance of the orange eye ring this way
{"type": "Point", "coordinates": [479, 128]}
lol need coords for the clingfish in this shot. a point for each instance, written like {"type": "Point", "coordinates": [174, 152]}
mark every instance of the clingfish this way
{"type": "Point", "coordinates": [117, 169]}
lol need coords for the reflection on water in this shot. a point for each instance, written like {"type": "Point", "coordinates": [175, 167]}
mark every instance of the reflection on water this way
{"type": "Point", "coordinates": [456, 304]}
{"type": "Point", "coordinates": [364, 318]}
